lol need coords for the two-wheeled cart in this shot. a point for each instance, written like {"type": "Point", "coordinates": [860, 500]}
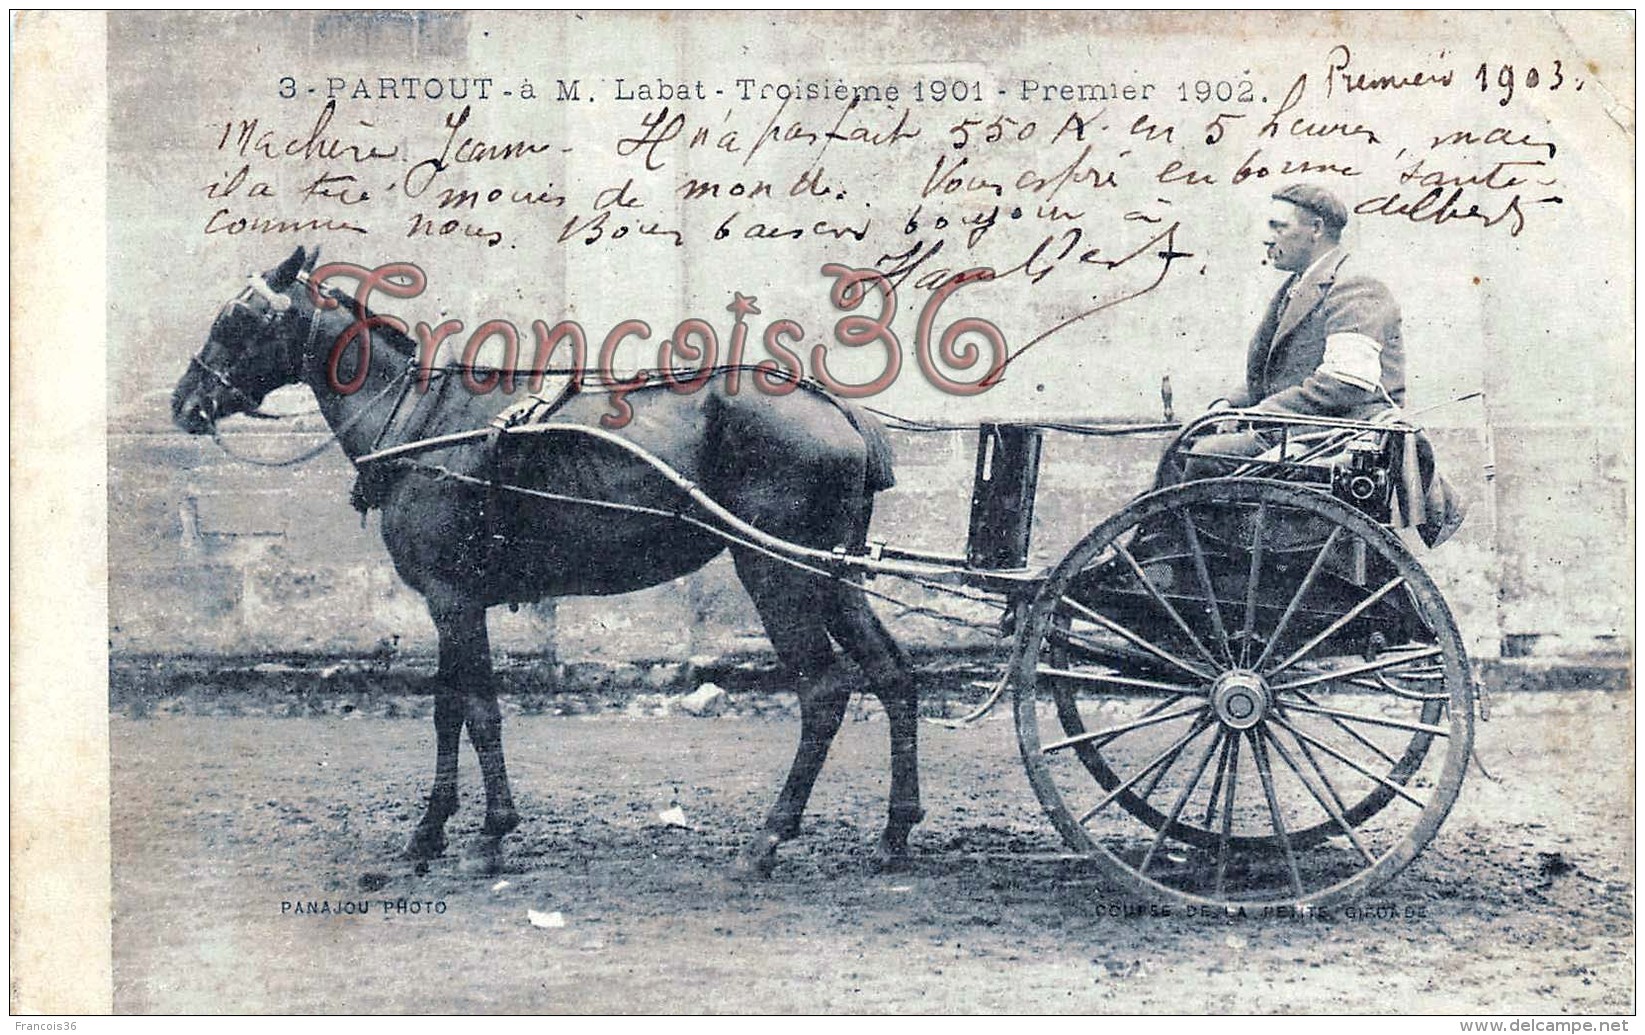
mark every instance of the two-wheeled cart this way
{"type": "Point", "coordinates": [1237, 691]}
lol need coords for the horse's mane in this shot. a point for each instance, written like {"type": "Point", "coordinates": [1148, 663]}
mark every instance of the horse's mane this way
{"type": "Point", "coordinates": [403, 343]}
{"type": "Point", "coordinates": [390, 335]}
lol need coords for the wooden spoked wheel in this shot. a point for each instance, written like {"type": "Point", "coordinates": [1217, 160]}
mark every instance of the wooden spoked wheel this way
{"type": "Point", "coordinates": [1243, 692]}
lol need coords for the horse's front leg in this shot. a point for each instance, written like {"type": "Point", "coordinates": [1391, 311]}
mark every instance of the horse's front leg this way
{"type": "Point", "coordinates": [429, 839]}
{"type": "Point", "coordinates": [468, 696]}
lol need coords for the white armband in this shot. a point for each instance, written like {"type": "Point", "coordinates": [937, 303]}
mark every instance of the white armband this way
{"type": "Point", "coordinates": [1353, 358]}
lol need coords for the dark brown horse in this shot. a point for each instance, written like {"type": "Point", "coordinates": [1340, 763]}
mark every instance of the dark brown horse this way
{"type": "Point", "coordinates": [795, 466]}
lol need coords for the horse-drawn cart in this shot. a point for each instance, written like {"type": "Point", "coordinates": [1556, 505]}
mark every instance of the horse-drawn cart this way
{"type": "Point", "coordinates": [1240, 690]}
{"type": "Point", "coordinates": [1236, 691]}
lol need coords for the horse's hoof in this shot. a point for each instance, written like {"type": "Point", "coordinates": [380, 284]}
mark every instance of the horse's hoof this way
{"type": "Point", "coordinates": [757, 859]}
{"type": "Point", "coordinates": [484, 858]}
{"type": "Point", "coordinates": [425, 845]}
{"type": "Point", "coordinates": [887, 858]}
{"type": "Point", "coordinates": [749, 869]}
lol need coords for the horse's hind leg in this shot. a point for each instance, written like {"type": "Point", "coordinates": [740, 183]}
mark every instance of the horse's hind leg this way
{"type": "Point", "coordinates": [790, 604]}
{"type": "Point", "coordinates": [860, 632]}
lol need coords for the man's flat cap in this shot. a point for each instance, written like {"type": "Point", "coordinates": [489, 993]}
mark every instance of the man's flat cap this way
{"type": "Point", "coordinates": [1318, 200]}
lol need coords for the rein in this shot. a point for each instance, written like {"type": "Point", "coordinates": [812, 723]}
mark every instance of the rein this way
{"type": "Point", "coordinates": [223, 379]}
{"type": "Point", "coordinates": [401, 380]}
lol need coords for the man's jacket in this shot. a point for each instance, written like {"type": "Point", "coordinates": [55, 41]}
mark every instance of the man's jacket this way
{"type": "Point", "coordinates": [1329, 344]}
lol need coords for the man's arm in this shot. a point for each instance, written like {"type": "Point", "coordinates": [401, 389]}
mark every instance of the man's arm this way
{"type": "Point", "coordinates": [1243, 395]}
{"type": "Point", "coordinates": [1360, 320]}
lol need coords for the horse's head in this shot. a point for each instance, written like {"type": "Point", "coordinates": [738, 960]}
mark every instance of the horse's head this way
{"type": "Point", "coordinates": [255, 346]}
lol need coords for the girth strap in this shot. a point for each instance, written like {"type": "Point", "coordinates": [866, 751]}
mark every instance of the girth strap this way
{"type": "Point", "coordinates": [535, 408]}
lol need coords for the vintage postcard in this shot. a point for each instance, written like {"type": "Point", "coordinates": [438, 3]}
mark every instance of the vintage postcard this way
{"type": "Point", "coordinates": [823, 512]}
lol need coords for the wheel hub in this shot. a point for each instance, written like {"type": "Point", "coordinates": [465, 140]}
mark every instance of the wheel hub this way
{"type": "Point", "coordinates": [1241, 699]}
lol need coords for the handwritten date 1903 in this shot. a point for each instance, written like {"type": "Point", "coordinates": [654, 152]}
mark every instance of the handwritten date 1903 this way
{"type": "Point", "coordinates": [1529, 79]}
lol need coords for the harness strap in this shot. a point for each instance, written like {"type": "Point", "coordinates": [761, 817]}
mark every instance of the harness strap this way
{"type": "Point", "coordinates": [535, 408]}
{"type": "Point", "coordinates": [539, 405]}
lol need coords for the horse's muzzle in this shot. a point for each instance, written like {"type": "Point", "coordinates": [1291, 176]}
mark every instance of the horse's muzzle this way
{"type": "Point", "coordinates": [194, 412]}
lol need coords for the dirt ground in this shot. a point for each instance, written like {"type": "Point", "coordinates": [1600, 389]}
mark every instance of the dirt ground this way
{"type": "Point", "coordinates": [228, 829]}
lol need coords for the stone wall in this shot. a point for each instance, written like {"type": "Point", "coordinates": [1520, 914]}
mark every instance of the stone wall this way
{"type": "Point", "coordinates": [212, 556]}
{"type": "Point", "coordinates": [208, 556]}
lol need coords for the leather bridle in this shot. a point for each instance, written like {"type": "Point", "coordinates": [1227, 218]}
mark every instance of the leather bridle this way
{"type": "Point", "coordinates": [256, 287]}
{"type": "Point", "coordinates": [278, 306]}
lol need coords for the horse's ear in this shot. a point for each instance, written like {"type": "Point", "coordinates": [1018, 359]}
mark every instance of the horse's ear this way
{"type": "Point", "coordinates": [313, 258]}
{"type": "Point", "coordinates": [283, 276]}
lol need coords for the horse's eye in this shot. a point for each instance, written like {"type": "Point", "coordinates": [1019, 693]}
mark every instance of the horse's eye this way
{"type": "Point", "coordinates": [229, 334]}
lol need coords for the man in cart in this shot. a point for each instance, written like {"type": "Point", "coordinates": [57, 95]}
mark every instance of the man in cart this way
{"type": "Point", "coordinates": [1328, 344]}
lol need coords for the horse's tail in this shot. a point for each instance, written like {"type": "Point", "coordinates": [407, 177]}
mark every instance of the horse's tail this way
{"type": "Point", "coordinates": [878, 472]}
{"type": "Point", "coordinates": [878, 461]}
